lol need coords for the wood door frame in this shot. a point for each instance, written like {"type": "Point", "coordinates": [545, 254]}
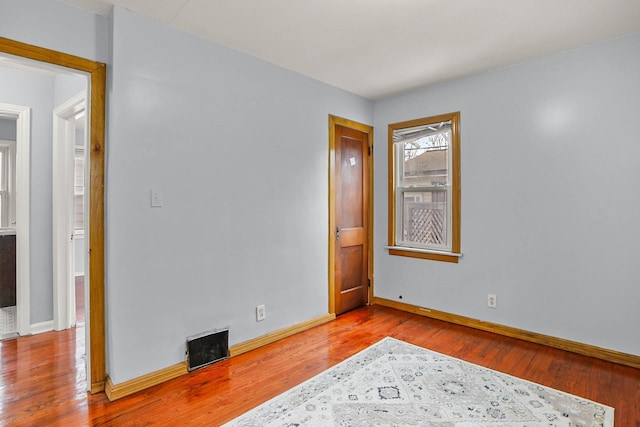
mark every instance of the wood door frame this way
{"type": "Point", "coordinates": [333, 122]}
{"type": "Point", "coordinates": [97, 72]}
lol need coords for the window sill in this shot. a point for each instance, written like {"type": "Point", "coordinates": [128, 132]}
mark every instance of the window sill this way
{"type": "Point", "coordinates": [424, 254]}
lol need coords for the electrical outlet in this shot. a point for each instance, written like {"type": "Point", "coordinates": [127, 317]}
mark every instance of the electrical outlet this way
{"type": "Point", "coordinates": [261, 313]}
{"type": "Point", "coordinates": [492, 301]}
{"type": "Point", "coordinates": [156, 198]}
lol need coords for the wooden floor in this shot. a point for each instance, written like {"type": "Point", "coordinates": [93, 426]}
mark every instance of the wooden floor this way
{"type": "Point", "coordinates": [79, 300]}
{"type": "Point", "coordinates": [42, 377]}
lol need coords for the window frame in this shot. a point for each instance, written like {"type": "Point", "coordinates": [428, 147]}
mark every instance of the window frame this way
{"type": "Point", "coordinates": [453, 212]}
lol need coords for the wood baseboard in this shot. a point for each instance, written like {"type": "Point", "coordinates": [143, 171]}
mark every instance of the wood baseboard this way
{"type": "Point", "coordinates": [279, 334]}
{"type": "Point", "coordinates": [97, 387]}
{"type": "Point", "coordinates": [560, 343]}
{"type": "Point", "coordinates": [42, 327]}
{"type": "Point", "coordinates": [117, 391]}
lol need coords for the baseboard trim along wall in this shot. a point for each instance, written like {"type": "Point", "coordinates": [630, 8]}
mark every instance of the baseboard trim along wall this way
{"type": "Point", "coordinates": [560, 343]}
{"type": "Point", "coordinates": [42, 327]}
{"type": "Point", "coordinates": [120, 390]}
{"type": "Point", "coordinates": [252, 344]}
{"type": "Point", "coordinates": [117, 391]}
{"type": "Point", "coordinates": [97, 387]}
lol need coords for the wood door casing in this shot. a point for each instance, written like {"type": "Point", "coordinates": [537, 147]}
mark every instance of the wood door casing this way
{"type": "Point", "coordinates": [351, 218]}
{"type": "Point", "coordinates": [97, 73]}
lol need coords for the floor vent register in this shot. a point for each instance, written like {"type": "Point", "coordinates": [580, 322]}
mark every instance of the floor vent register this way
{"type": "Point", "coordinates": [207, 347]}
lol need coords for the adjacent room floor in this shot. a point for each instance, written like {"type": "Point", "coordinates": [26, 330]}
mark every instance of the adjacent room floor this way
{"type": "Point", "coordinates": [8, 315]}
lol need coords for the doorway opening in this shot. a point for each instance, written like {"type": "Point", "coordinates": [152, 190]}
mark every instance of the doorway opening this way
{"type": "Point", "coordinates": [14, 255]}
{"type": "Point", "coordinates": [69, 222]}
{"type": "Point", "coordinates": [350, 214]}
{"type": "Point", "coordinates": [8, 307]}
{"type": "Point", "coordinates": [95, 343]}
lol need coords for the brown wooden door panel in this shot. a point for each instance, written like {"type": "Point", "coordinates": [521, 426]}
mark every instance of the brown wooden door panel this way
{"type": "Point", "coordinates": [351, 260]}
{"type": "Point", "coordinates": [351, 180]}
{"type": "Point", "coordinates": [351, 236]}
{"type": "Point", "coordinates": [352, 206]}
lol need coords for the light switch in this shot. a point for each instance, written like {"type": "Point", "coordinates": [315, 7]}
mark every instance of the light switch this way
{"type": "Point", "coordinates": [156, 197]}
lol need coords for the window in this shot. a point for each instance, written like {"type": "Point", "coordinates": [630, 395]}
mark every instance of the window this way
{"type": "Point", "coordinates": [424, 188]}
{"type": "Point", "coordinates": [78, 191]}
{"type": "Point", "coordinates": [7, 183]}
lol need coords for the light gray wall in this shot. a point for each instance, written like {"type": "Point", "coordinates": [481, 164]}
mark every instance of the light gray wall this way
{"type": "Point", "coordinates": [78, 253]}
{"type": "Point", "coordinates": [245, 188]}
{"type": "Point", "coordinates": [7, 129]}
{"type": "Point", "coordinates": [67, 86]}
{"type": "Point", "coordinates": [55, 25]}
{"type": "Point", "coordinates": [240, 149]}
{"type": "Point", "coordinates": [550, 199]}
{"type": "Point", "coordinates": [66, 29]}
{"type": "Point", "coordinates": [35, 90]}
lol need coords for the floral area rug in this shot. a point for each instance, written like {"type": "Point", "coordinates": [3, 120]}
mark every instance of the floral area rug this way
{"type": "Point", "coordinates": [393, 383]}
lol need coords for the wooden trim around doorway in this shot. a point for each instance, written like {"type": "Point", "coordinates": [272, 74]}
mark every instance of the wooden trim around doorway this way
{"type": "Point", "coordinates": [97, 74]}
{"type": "Point", "coordinates": [333, 122]}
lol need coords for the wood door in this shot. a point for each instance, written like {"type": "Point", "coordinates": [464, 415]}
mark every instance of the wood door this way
{"type": "Point", "coordinates": [351, 219]}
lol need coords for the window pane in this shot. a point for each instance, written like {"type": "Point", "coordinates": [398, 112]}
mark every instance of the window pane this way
{"type": "Point", "coordinates": [79, 175]}
{"type": "Point", "coordinates": [425, 218]}
{"type": "Point", "coordinates": [2, 170]}
{"type": "Point", "coordinates": [79, 190]}
{"type": "Point", "coordinates": [79, 212]}
{"type": "Point", "coordinates": [425, 154]}
{"type": "Point", "coordinates": [3, 190]}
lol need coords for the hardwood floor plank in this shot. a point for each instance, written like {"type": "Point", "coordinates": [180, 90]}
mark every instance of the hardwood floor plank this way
{"type": "Point", "coordinates": [42, 380]}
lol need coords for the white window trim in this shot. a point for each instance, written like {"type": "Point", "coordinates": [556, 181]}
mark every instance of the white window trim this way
{"type": "Point", "coordinates": [400, 190]}
{"type": "Point", "coordinates": [9, 194]}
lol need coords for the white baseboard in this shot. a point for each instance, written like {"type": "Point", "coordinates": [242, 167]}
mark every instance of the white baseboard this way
{"type": "Point", "coordinates": [39, 328]}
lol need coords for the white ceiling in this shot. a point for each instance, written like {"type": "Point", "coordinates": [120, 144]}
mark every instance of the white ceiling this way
{"type": "Point", "coordinates": [376, 48]}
